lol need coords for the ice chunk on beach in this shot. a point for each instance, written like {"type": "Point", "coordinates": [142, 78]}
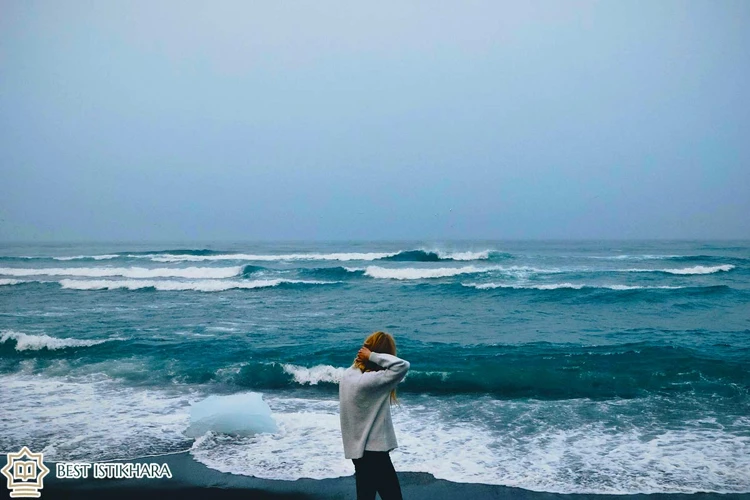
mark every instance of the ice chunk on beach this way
{"type": "Point", "coordinates": [243, 414]}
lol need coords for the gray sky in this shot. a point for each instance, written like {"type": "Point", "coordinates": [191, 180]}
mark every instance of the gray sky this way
{"type": "Point", "coordinates": [159, 120]}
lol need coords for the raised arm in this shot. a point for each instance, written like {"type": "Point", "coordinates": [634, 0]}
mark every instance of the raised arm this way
{"type": "Point", "coordinates": [395, 370]}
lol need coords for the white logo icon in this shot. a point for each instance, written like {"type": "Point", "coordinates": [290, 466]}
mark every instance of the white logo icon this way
{"type": "Point", "coordinates": [25, 472]}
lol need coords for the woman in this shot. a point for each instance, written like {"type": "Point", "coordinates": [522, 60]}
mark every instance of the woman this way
{"type": "Point", "coordinates": [366, 391]}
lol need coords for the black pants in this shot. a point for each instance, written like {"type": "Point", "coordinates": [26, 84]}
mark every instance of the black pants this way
{"type": "Point", "coordinates": [374, 472]}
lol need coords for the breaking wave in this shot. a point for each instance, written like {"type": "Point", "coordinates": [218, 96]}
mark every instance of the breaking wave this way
{"type": "Point", "coordinates": [437, 256]}
{"type": "Point", "coordinates": [687, 270]}
{"type": "Point", "coordinates": [196, 285]}
{"type": "Point", "coordinates": [27, 342]}
{"type": "Point", "coordinates": [127, 272]}
{"type": "Point", "coordinates": [88, 257]}
{"type": "Point", "coordinates": [558, 286]}
{"type": "Point", "coordinates": [11, 282]}
{"type": "Point", "coordinates": [266, 258]}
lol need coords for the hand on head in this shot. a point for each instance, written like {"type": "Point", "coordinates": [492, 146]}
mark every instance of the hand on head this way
{"type": "Point", "coordinates": [364, 354]}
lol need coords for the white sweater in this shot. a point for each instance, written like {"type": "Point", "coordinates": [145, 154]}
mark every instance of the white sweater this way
{"type": "Point", "coordinates": [365, 406]}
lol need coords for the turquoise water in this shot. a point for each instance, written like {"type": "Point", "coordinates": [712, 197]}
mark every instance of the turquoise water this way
{"type": "Point", "coordinates": [599, 367]}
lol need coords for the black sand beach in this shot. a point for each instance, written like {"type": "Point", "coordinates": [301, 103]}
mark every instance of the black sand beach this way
{"type": "Point", "coordinates": [192, 480]}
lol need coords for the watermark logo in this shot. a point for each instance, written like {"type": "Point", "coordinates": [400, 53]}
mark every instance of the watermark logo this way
{"type": "Point", "coordinates": [25, 472]}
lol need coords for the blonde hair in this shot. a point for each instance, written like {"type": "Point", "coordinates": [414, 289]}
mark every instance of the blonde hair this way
{"type": "Point", "coordinates": [378, 342]}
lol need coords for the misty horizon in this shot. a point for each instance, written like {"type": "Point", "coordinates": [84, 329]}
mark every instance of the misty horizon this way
{"type": "Point", "coordinates": [502, 121]}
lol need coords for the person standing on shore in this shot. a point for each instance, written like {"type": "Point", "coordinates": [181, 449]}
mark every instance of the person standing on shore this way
{"type": "Point", "coordinates": [366, 392]}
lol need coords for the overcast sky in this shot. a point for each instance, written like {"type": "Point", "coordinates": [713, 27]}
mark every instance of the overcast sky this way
{"type": "Point", "coordinates": [156, 120]}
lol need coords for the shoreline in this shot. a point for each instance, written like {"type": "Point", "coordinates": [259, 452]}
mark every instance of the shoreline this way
{"type": "Point", "coordinates": [193, 480]}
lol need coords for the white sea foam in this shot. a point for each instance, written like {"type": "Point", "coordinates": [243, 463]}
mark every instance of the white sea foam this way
{"type": "Point", "coordinates": [483, 255]}
{"type": "Point", "coordinates": [700, 269]}
{"type": "Point", "coordinates": [633, 257]}
{"type": "Point", "coordinates": [532, 451]}
{"type": "Point", "coordinates": [557, 286]}
{"type": "Point", "coordinates": [206, 285]}
{"type": "Point", "coordinates": [265, 257]}
{"type": "Point", "coordinates": [411, 273]}
{"type": "Point", "coordinates": [684, 270]}
{"type": "Point", "coordinates": [416, 273]}
{"type": "Point", "coordinates": [28, 342]}
{"type": "Point", "coordinates": [86, 257]}
{"type": "Point", "coordinates": [316, 374]}
{"type": "Point", "coordinates": [128, 272]}
{"type": "Point", "coordinates": [91, 420]}
{"type": "Point", "coordinates": [308, 444]}
{"type": "Point", "coordinates": [11, 282]}
{"type": "Point", "coordinates": [552, 446]}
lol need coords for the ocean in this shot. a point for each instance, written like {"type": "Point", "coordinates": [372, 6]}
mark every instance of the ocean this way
{"type": "Point", "coordinates": [570, 367]}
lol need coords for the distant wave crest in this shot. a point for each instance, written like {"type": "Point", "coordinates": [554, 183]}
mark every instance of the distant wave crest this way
{"type": "Point", "coordinates": [687, 270]}
{"type": "Point", "coordinates": [265, 258]}
{"type": "Point", "coordinates": [169, 285]}
{"type": "Point", "coordinates": [436, 256]}
{"type": "Point", "coordinates": [413, 273]}
{"type": "Point", "coordinates": [558, 286]}
{"type": "Point", "coordinates": [419, 255]}
{"type": "Point", "coordinates": [89, 257]}
{"type": "Point", "coordinates": [127, 272]}
{"type": "Point", "coordinates": [11, 282]}
{"type": "Point", "coordinates": [26, 342]}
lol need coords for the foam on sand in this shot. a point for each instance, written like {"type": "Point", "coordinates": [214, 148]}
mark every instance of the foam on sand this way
{"type": "Point", "coordinates": [531, 452]}
{"type": "Point", "coordinates": [91, 420]}
{"type": "Point", "coordinates": [514, 443]}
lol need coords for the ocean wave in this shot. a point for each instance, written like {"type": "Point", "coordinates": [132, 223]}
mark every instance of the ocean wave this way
{"type": "Point", "coordinates": [27, 342]}
{"type": "Point", "coordinates": [624, 371]}
{"type": "Point", "coordinates": [687, 270]}
{"type": "Point", "coordinates": [413, 273]}
{"type": "Point", "coordinates": [206, 285]}
{"type": "Point", "coordinates": [529, 371]}
{"type": "Point", "coordinates": [266, 257]}
{"type": "Point", "coordinates": [128, 272]}
{"type": "Point", "coordinates": [88, 257]}
{"type": "Point", "coordinates": [632, 257]}
{"type": "Point", "coordinates": [482, 255]}
{"type": "Point", "coordinates": [93, 420]}
{"type": "Point", "coordinates": [419, 255]}
{"type": "Point", "coordinates": [11, 282]}
{"type": "Point", "coordinates": [436, 256]}
{"type": "Point", "coordinates": [670, 257]}
{"type": "Point", "coordinates": [531, 448]}
{"type": "Point", "coordinates": [314, 375]}
{"type": "Point", "coordinates": [558, 286]}
{"type": "Point", "coordinates": [335, 272]}
{"type": "Point", "coordinates": [179, 251]}
{"type": "Point", "coordinates": [248, 270]}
